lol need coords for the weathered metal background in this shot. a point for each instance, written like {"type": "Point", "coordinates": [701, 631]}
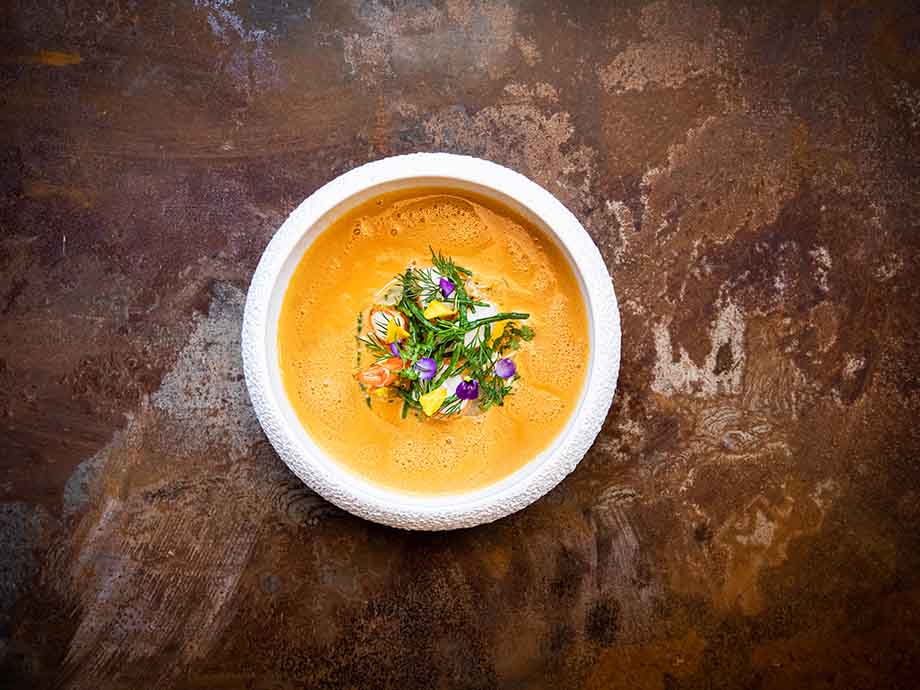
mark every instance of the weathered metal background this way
{"type": "Point", "coordinates": [749, 516]}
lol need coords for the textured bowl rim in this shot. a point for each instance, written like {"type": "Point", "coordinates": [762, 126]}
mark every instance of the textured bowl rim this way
{"type": "Point", "coordinates": [436, 512]}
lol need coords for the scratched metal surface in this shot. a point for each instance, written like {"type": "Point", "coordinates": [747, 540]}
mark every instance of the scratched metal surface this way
{"type": "Point", "coordinates": [749, 516]}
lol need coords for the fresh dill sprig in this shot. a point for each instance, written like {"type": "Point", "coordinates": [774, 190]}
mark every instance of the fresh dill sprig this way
{"type": "Point", "coordinates": [428, 289]}
{"type": "Point", "coordinates": [376, 349]}
{"type": "Point", "coordinates": [446, 266]}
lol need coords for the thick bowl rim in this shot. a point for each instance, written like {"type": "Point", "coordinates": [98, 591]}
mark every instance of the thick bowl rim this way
{"type": "Point", "coordinates": [435, 512]}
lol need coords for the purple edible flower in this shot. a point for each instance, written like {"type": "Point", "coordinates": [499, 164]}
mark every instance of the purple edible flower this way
{"type": "Point", "coordinates": [505, 368]}
{"type": "Point", "coordinates": [426, 368]}
{"type": "Point", "coordinates": [467, 390]}
{"type": "Point", "coordinates": [447, 287]}
{"type": "Point", "coordinates": [394, 348]}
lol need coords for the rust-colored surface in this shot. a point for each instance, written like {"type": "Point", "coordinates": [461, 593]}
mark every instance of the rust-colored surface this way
{"type": "Point", "coordinates": [749, 517]}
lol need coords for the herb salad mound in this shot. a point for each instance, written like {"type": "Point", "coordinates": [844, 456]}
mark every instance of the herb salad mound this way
{"type": "Point", "coordinates": [437, 343]}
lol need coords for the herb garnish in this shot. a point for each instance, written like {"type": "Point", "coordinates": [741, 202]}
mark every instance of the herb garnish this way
{"type": "Point", "coordinates": [440, 345]}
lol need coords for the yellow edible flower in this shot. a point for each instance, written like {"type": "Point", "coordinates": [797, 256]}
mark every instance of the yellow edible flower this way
{"type": "Point", "coordinates": [497, 330]}
{"type": "Point", "coordinates": [438, 310]}
{"type": "Point", "coordinates": [431, 402]}
{"type": "Point", "coordinates": [395, 332]}
{"type": "Point", "coordinates": [382, 392]}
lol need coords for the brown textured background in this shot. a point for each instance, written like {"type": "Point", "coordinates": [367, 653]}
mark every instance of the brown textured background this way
{"type": "Point", "coordinates": [750, 515]}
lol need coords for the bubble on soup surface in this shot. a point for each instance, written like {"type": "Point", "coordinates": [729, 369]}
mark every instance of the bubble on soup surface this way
{"type": "Point", "coordinates": [405, 454]}
{"type": "Point", "coordinates": [558, 362]}
{"type": "Point", "coordinates": [544, 280]}
{"type": "Point", "coordinates": [451, 218]}
{"type": "Point", "coordinates": [558, 309]}
{"type": "Point", "coordinates": [520, 258]}
{"type": "Point", "coordinates": [538, 406]}
{"type": "Point", "coordinates": [325, 396]}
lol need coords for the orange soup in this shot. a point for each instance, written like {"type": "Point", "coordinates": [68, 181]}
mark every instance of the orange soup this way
{"type": "Point", "coordinates": [338, 281]}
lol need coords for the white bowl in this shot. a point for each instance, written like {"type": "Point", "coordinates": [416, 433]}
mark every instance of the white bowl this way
{"type": "Point", "coordinates": [334, 481]}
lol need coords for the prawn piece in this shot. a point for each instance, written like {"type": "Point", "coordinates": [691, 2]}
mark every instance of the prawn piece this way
{"type": "Point", "coordinates": [381, 374]}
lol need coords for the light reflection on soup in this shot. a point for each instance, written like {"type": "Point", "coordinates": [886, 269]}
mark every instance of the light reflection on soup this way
{"type": "Point", "coordinates": [338, 277]}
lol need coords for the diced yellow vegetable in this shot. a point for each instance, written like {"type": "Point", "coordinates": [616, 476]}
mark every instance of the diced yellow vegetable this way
{"type": "Point", "coordinates": [431, 402]}
{"type": "Point", "coordinates": [438, 310]}
{"type": "Point", "coordinates": [395, 332]}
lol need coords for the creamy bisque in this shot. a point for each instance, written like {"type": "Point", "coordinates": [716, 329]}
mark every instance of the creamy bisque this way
{"type": "Point", "coordinates": [338, 278]}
